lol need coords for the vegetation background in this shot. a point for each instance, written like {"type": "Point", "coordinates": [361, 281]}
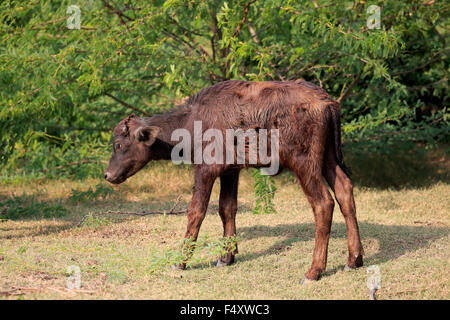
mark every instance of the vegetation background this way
{"type": "Point", "coordinates": [62, 90]}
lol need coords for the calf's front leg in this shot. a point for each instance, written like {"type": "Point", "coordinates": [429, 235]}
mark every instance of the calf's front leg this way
{"type": "Point", "coordinates": [203, 183]}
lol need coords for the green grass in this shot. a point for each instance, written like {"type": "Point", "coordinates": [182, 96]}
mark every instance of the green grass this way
{"type": "Point", "coordinates": [404, 229]}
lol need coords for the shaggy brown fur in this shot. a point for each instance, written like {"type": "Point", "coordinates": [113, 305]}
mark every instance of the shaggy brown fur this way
{"type": "Point", "coordinates": [308, 120]}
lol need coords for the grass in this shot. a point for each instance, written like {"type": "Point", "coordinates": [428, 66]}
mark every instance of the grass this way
{"type": "Point", "coordinates": [405, 232]}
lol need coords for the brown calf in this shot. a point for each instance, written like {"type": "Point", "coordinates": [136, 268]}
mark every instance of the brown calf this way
{"type": "Point", "coordinates": [308, 122]}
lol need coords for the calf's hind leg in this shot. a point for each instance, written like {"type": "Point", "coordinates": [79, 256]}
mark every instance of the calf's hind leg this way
{"type": "Point", "coordinates": [343, 190]}
{"type": "Point", "coordinates": [322, 204]}
{"type": "Point", "coordinates": [227, 210]}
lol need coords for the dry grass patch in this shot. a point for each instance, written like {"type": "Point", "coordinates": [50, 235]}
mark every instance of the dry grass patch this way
{"type": "Point", "coordinates": [405, 232]}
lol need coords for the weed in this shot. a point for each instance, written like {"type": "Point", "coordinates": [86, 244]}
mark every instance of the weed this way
{"type": "Point", "coordinates": [190, 252]}
{"type": "Point", "coordinates": [95, 221]}
{"type": "Point", "coordinates": [264, 193]}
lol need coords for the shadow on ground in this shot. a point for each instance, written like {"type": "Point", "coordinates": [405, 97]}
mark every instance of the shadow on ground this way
{"type": "Point", "coordinates": [394, 241]}
{"type": "Point", "coordinates": [114, 213]}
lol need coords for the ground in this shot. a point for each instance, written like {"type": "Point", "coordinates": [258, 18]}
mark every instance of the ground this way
{"type": "Point", "coordinates": [404, 230]}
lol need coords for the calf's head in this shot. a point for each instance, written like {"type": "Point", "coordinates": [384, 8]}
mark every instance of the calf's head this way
{"type": "Point", "coordinates": [132, 143]}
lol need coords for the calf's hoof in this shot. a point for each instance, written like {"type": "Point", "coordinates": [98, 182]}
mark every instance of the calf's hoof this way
{"type": "Point", "coordinates": [354, 263]}
{"type": "Point", "coordinates": [224, 262]}
{"type": "Point", "coordinates": [305, 281]}
{"type": "Point", "coordinates": [181, 266]}
{"type": "Point", "coordinates": [219, 263]}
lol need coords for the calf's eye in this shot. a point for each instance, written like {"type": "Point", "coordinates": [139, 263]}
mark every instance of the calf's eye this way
{"type": "Point", "coordinates": [118, 146]}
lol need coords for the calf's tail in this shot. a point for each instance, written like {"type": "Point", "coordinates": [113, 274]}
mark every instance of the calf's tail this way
{"type": "Point", "coordinates": [336, 131]}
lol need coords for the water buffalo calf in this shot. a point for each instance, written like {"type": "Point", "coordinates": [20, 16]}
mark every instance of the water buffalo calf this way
{"type": "Point", "coordinates": [308, 123]}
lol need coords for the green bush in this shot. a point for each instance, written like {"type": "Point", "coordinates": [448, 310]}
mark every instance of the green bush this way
{"type": "Point", "coordinates": [63, 90]}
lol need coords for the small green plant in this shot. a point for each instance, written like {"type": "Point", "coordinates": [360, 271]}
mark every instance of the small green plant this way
{"type": "Point", "coordinates": [99, 192]}
{"type": "Point", "coordinates": [91, 220]}
{"type": "Point", "coordinates": [25, 206]}
{"type": "Point", "coordinates": [264, 193]}
{"type": "Point", "coordinates": [118, 276]}
{"type": "Point", "coordinates": [203, 251]}
{"type": "Point", "coordinates": [21, 249]}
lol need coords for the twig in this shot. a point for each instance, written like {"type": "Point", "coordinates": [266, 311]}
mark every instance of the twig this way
{"type": "Point", "coordinates": [434, 57]}
{"type": "Point", "coordinates": [127, 105]}
{"type": "Point", "coordinates": [143, 213]}
{"type": "Point", "coordinates": [81, 221]}
{"type": "Point", "coordinates": [118, 12]}
{"type": "Point", "coordinates": [146, 213]}
{"type": "Point", "coordinates": [345, 92]}
{"type": "Point", "coordinates": [199, 49]}
{"type": "Point", "coordinates": [244, 18]}
{"type": "Point", "coordinates": [175, 204]}
{"type": "Point", "coordinates": [51, 22]}
{"type": "Point", "coordinates": [186, 31]}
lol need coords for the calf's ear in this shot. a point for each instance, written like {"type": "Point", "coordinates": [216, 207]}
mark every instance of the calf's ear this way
{"type": "Point", "coordinates": [147, 134]}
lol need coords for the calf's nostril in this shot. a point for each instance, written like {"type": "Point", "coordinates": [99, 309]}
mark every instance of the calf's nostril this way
{"type": "Point", "coordinates": [106, 176]}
